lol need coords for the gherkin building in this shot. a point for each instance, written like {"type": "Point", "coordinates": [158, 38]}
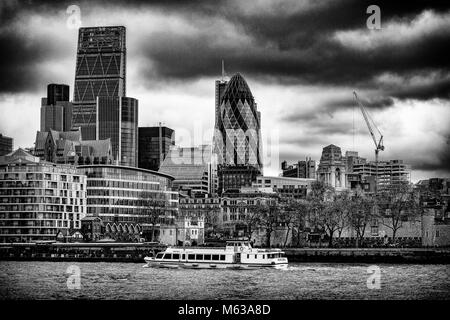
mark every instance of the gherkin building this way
{"type": "Point", "coordinates": [237, 136]}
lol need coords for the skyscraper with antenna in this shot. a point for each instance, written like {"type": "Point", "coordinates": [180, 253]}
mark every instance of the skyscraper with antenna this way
{"type": "Point", "coordinates": [220, 89]}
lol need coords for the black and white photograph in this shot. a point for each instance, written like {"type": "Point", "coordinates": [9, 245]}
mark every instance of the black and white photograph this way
{"type": "Point", "coordinates": [251, 153]}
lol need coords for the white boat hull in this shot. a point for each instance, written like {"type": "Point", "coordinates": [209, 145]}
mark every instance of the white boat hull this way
{"type": "Point", "coordinates": [206, 265]}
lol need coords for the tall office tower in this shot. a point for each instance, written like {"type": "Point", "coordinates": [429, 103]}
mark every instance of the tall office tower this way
{"type": "Point", "coordinates": [219, 89]}
{"type": "Point", "coordinates": [154, 145]}
{"type": "Point", "coordinates": [56, 110]}
{"type": "Point", "coordinates": [117, 119]}
{"type": "Point", "coordinates": [237, 136]}
{"type": "Point", "coordinates": [6, 145]}
{"type": "Point", "coordinates": [100, 72]}
{"type": "Point", "coordinates": [57, 92]}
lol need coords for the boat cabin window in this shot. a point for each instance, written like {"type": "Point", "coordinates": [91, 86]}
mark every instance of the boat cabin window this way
{"type": "Point", "coordinates": [248, 256]}
{"type": "Point", "coordinates": [222, 257]}
{"type": "Point", "coordinates": [215, 257]}
{"type": "Point", "coordinates": [191, 256]}
{"type": "Point", "coordinates": [176, 256]}
{"type": "Point", "coordinates": [256, 256]}
{"type": "Point", "coordinates": [207, 257]}
{"type": "Point", "coordinates": [198, 257]}
{"type": "Point", "coordinates": [168, 256]}
{"type": "Point", "coordinates": [183, 256]}
{"type": "Point", "coordinates": [159, 255]}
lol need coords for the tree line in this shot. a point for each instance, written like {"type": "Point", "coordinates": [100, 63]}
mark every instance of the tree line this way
{"type": "Point", "coordinates": [326, 211]}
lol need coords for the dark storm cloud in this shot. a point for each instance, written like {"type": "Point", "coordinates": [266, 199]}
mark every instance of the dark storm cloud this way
{"type": "Point", "coordinates": [437, 89]}
{"type": "Point", "coordinates": [21, 52]}
{"type": "Point", "coordinates": [18, 61]}
{"type": "Point", "coordinates": [288, 42]}
{"type": "Point", "coordinates": [373, 103]}
{"type": "Point", "coordinates": [304, 141]}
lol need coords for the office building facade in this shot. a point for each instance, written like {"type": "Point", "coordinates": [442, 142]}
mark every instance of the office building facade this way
{"type": "Point", "coordinates": [237, 204]}
{"type": "Point", "coordinates": [118, 195]}
{"type": "Point", "coordinates": [39, 199]}
{"type": "Point", "coordinates": [57, 93]}
{"type": "Point", "coordinates": [286, 187]}
{"type": "Point", "coordinates": [56, 109]}
{"type": "Point", "coordinates": [305, 169]}
{"type": "Point", "coordinates": [237, 136]}
{"type": "Point", "coordinates": [220, 87]}
{"type": "Point", "coordinates": [6, 145]}
{"type": "Point", "coordinates": [100, 72]}
{"type": "Point", "coordinates": [153, 146]}
{"type": "Point", "coordinates": [389, 172]}
{"type": "Point", "coordinates": [117, 119]}
{"type": "Point", "coordinates": [192, 169]}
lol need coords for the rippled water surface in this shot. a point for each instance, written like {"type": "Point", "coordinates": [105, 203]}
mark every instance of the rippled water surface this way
{"type": "Point", "coordinates": [48, 280]}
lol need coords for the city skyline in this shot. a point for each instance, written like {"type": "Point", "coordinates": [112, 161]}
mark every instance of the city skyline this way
{"type": "Point", "coordinates": [311, 108]}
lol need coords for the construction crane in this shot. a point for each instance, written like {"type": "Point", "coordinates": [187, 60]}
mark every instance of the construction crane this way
{"type": "Point", "coordinates": [378, 143]}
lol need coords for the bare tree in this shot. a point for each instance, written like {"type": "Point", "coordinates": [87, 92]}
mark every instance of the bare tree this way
{"type": "Point", "coordinates": [155, 208]}
{"type": "Point", "coordinates": [342, 214]}
{"type": "Point", "coordinates": [253, 219]}
{"type": "Point", "coordinates": [301, 211]}
{"type": "Point", "coordinates": [360, 214]}
{"type": "Point", "coordinates": [398, 202]}
{"type": "Point", "coordinates": [268, 211]}
{"type": "Point", "coordinates": [333, 217]}
{"type": "Point", "coordinates": [288, 215]}
{"type": "Point", "coordinates": [211, 221]}
{"type": "Point", "coordinates": [319, 200]}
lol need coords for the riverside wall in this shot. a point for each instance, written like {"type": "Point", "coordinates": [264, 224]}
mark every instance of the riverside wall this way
{"type": "Point", "coordinates": [135, 252]}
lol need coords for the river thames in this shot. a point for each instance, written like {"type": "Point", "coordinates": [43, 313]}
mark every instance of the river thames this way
{"type": "Point", "coordinates": [48, 280]}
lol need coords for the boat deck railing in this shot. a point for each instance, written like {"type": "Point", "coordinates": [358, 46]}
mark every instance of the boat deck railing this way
{"type": "Point", "coordinates": [224, 248]}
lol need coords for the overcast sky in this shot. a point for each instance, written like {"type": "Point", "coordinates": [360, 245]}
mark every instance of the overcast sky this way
{"type": "Point", "coordinates": [301, 59]}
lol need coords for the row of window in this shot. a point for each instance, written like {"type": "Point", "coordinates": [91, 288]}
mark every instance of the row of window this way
{"type": "Point", "coordinates": [125, 175]}
{"type": "Point", "coordinates": [39, 176]}
{"type": "Point", "coordinates": [122, 184]}
{"type": "Point", "coordinates": [38, 200]}
{"type": "Point", "coordinates": [127, 202]}
{"type": "Point", "coordinates": [39, 223]}
{"type": "Point", "coordinates": [41, 207]}
{"type": "Point", "coordinates": [39, 215]}
{"type": "Point", "coordinates": [192, 257]}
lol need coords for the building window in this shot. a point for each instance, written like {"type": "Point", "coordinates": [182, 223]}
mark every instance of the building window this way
{"type": "Point", "coordinates": [374, 231]}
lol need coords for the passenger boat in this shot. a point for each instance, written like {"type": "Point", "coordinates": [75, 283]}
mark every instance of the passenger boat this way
{"type": "Point", "coordinates": [235, 255]}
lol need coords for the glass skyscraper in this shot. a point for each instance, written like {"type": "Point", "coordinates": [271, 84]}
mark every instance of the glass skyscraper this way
{"type": "Point", "coordinates": [237, 136]}
{"type": "Point", "coordinates": [100, 72]}
{"type": "Point", "coordinates": [154, 145]}
{"type": "Point", "coordinates": [56, 110]}
{"type": "Point", "coordinates": [117, 119]}
{"type": "Point", "coordinates": [57, 92]}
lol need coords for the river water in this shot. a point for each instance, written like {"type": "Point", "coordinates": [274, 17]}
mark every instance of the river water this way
{"type": "Point", "coordinates": [49, 280]}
